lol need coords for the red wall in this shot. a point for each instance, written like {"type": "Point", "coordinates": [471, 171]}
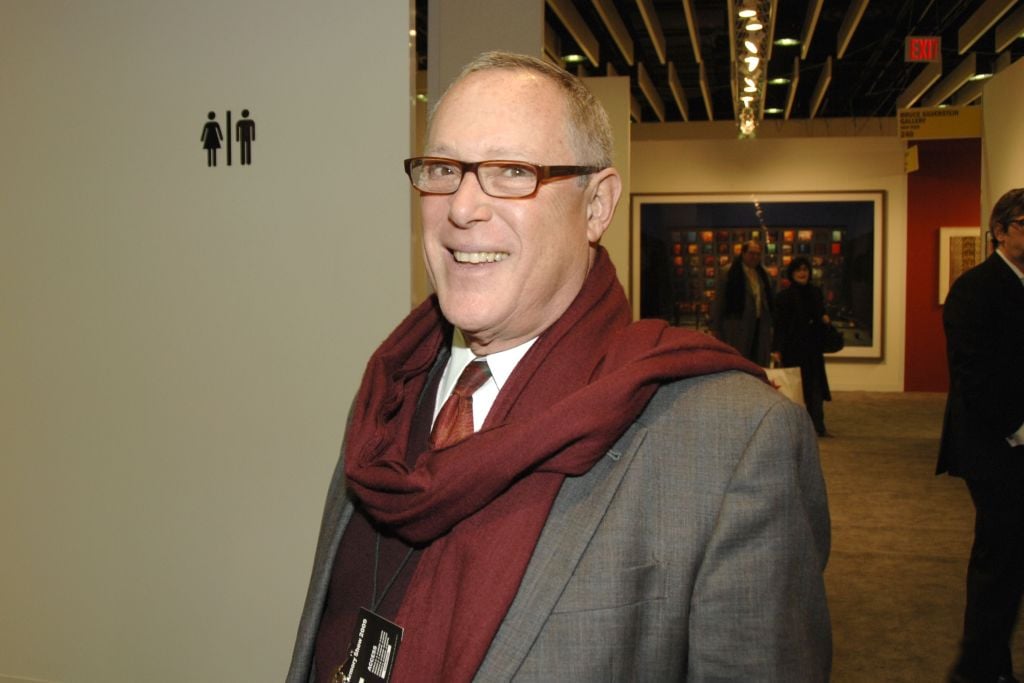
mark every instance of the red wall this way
{"type": "Point", "coordinates": [944, 192]}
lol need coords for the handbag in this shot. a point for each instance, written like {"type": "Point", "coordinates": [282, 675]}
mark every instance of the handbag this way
{"type": "Point", "coordinates": [831, 339]}
{"type": "Point", "coordinates": [788, 381]}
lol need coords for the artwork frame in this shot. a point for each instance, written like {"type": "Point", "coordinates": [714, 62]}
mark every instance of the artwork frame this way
{"type": "Point", "coordinates": [850, 226]}
{"type": "Point", "coordinates": [960, 249]}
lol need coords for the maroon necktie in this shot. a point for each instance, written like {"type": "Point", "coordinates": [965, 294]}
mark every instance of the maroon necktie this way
{"type": "Point", "coordinates": [455, 421]}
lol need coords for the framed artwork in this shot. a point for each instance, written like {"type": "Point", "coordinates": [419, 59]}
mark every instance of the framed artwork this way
{"type": "Point", "coordinates": [960, 249]}
{"type": "Point", "coordinates": [842, 233]}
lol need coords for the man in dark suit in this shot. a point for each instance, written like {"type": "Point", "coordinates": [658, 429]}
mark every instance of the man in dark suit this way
{"type": "Point", "coordinates": [624, 501]}
{"type": "Point", "coordinates": [983, 439]}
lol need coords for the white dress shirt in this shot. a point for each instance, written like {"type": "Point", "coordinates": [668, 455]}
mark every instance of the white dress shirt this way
{"type": "Point", "coordinates": [501, 365]}
{"type": "Point", "coordinates": [1017, 438]}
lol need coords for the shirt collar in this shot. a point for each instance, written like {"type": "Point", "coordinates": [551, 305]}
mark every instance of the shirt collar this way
{"type": "Point", "coordinates": [501, 363]}
{"type": "Point", "coordinates": [1015, 269]}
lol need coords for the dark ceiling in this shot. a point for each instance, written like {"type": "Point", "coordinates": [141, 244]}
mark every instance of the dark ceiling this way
{"type": "Point", "coordinates": [866, 82]}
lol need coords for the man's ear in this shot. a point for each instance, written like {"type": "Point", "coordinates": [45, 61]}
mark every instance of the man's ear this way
{"type": "Point", "coordinates": [604, 190]}
{"type": "Point", "coordinates": [999, 230]}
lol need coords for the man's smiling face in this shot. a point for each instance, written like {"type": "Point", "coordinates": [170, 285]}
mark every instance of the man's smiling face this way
{"type": "Point", "coordinates": [505, 269]}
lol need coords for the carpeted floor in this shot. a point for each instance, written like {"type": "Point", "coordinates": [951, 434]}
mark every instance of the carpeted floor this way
{"type": "Point", "coordinates": [900, 540]}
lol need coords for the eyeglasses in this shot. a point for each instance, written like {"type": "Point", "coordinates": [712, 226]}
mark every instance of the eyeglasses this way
{"type": "Point", "coordinates": [502, 179]}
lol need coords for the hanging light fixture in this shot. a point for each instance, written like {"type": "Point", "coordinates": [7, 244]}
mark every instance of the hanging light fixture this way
{"type": "Point", "coordinates": [749, 62]}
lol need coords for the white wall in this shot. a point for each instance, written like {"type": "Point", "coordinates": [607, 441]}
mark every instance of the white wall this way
{"type": "Point", "coordinates": [1003, 136]}
{"type": "Point", "coordinates": [806, 164]}
{"type": "Point", "coordinates": [180, 344]}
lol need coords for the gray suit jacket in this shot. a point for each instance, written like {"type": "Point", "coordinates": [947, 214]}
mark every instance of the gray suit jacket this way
{"type": "Point", "coordinates": [693, 551]}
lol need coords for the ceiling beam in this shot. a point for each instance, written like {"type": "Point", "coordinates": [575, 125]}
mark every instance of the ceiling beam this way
{"type": "Point", "coordinates": [705, 92]}
{"type": "Point", "coordinates": [968, 93]}
{"type": "Point", "coordinates": [650, 18]}
{"type": "Point", "coordinates": [981, 21]}
{"type": "Point", "coordinates": [730, 7]}
{"type": "Point", "coordinates": [810, 23]}
{"type": "Point", "coordinates": [851, 21]}
{"type": "Point", "coordinates": [643, 79]}
{"type": "Point", "coordinates": [821, 87]}
{"type": "Point", "coordinates": [735, 89]}
{"type": "Point", "coordinates": [793, 83]}
{"type": "Point", "coordinates": [691, 26]}
{"type": "Point", "coordinates": [1004, 60]}
{"type": "Point", "coordinates": [919, 86]}
{"type": "Point", "coordinates": [552, 45]}
{"type": "Point", "coordinates": [577, 28]}
{"type": "Point", "coordinates": [773, 12]}
{"type": "Point", "coordinates": [1010, 29]}
{"type": "Point", "coordinates": [956, 79]}
{"type": "Point", "coordinates": [635, 109]}
{"type": "Point", "coordinates": [616, 28]}
{"type": "Point", "coordinates": [678, 94]}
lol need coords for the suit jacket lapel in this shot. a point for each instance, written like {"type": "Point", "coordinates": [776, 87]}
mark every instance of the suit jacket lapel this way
{"type": "Point", "coordinates": [575, 516]}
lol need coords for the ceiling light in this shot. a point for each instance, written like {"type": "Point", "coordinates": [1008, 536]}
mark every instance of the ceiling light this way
{"type": "Point", "coordinates": [412, 33]}
{"type": "Point", "coordinates": [787, 42]}
{"type": "Point", "coordinates": [772, 110]}
{"type": "Point", "coordinates": [980, 77]}
{"type": "Point", "coordinates": [749, 70]}
{"type": "Point", "coordinates": [779, 81]}
{"type": "Point", "coordinates": [573, 59]}
{"type": "Point", "coordinates": [748, 124]}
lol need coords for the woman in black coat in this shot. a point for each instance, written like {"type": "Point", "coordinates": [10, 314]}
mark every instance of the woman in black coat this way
{"type": "Point", "coordinates": [799, 319]}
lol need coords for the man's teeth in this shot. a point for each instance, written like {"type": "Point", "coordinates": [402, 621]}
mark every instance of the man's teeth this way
{"type": "Point", "coordinates": [479, 256]}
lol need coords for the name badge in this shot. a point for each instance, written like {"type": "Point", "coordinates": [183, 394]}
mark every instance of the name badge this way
{"type": "Point", "coordinates": [371, 652]}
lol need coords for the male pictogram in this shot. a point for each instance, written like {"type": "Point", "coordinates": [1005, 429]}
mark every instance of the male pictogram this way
{"type": "Point", "coordinates": [245, 133]}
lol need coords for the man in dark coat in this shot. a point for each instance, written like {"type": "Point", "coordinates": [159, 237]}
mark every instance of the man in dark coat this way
{"type": "Point", "coordinates": [741, 314]}
{"type": "Point", "coordinates": [983, 439]}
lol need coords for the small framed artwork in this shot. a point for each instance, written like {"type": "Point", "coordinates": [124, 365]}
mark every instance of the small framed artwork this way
{"type": "Point", "coordinates": [960, 249]}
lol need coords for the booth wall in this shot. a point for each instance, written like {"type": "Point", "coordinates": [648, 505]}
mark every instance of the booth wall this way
{"type": "Point", "coordinates": [181, 343]}
{"type": "Point", "coordinates": [945, 191]}
{"type": "Point", "coordinates": [1002, 135]}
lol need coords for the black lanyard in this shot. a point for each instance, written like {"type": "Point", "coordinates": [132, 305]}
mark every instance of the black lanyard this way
{"type": "Point", "coordinates": [375, 601]}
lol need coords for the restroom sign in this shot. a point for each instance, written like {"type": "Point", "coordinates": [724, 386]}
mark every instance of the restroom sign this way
{"type": "Point", "coordinates": [215, 138]}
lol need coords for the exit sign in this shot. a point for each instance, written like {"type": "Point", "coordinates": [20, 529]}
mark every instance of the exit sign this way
{"type": "Point", "coordinates": [923, 49]}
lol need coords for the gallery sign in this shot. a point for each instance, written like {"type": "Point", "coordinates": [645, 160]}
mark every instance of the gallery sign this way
{"type": "Point", "coordinates": [939, 123]}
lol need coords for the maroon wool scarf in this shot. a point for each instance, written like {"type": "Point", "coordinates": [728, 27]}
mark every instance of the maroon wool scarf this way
{"type": "Point", "coordinates": [481, 504]}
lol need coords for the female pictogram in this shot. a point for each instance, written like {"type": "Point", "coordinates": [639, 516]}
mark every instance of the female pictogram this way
{"type": "Point", "coordinates": [211, 139]}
